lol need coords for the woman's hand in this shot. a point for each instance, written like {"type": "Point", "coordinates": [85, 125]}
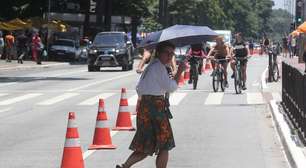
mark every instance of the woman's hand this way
{"type": "Point", "coordinates": [139, 71]}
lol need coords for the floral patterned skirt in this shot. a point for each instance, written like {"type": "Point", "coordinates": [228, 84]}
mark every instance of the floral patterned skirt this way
{"type": "Point", "coordinates": [154, 132]}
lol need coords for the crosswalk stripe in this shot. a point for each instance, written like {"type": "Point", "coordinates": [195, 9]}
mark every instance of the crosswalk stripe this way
{"type": "Point", "coordinates": [95, 100]}
{"type": "Point", "coordinates": [214, 98]}
{"type": "Point", "coordinates": [276, 96]}
{"type": "Point", "coordinates": [133, 100]}
{"type": "Point", "coordinates": [58, 99]}
{"type": "Point", "coordinates": [255, 98]}
{"type": "Point", "coordinates": [3, 94]}
{"type": "Point", "coordinates": [176, 98]}
{"type": "Point", "coordinates": [20, 98]}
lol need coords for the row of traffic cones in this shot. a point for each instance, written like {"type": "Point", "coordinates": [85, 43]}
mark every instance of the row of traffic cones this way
{"type": "Point", "coordinates": [72, 154]}
{"type": "Point", "coordinates": [186, 75]}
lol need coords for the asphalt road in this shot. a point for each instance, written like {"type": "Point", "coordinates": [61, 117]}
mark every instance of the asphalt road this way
{"type": "Point", "coordinates": [212, 130]}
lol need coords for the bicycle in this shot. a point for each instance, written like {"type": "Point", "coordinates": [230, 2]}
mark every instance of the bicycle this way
{"type": "Point", "coordinates": [218, 76]}
{"type": "Point", "coordinates": [238, 74]}
{"type": "Point", "coordinates": [194, 70]}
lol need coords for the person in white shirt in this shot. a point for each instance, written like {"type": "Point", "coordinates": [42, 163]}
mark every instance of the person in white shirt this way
{"type": "Point", "coordinates": [154, 133]}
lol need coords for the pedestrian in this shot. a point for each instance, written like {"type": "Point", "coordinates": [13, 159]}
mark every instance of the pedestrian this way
{"type": "Point", "coordinates": [154, 133]}
{"type": "Point", "coordinates": [251, 47]}
{"type": "Point", "coordinates": [21, 47]}
{"type": "Point", "coordinates": [1, 44]}
{"type": "Point", "coordinates": [293, 46]}
{"type": "Point", "coordinates": [9, 43]}
{"type": "Point", "coordinates": [285, 46]}
{"type": "Point", "coordinates": [304, 55]}
{"type": "Point", "coordinates": [36, 48]}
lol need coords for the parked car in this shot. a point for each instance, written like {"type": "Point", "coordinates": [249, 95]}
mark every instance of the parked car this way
{"type": "Point", "coordinates": [65, 50]}
{"type": "Point", "coordinates": [111, 49]}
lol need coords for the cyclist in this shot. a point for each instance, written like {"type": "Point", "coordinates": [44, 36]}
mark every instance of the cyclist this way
{"type": "Point", "coordinates": [196, 50]}
{"type": "Point", "coordinates": [220, 51]}
{"type": "Point", "coordinates": [266, 43]}
{"type": "Point", "coordinates": [240, 50]}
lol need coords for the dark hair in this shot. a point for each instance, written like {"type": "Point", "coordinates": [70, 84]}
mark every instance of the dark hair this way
{"type": "Point", "coordinates": [162, 45]}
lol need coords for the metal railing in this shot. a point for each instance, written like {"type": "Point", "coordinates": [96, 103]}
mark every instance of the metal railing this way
{"type": "Point", "coordinates": [294, 97]}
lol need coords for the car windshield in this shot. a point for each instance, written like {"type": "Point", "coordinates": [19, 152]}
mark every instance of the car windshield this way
{"type": "Point", "coordinates": [64, 43]}
{"type": "Point", "coordinates": [109, 39]}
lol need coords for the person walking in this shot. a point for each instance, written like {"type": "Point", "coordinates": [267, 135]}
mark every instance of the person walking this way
{"type": "Point", "coordinates": [154, 133]}
{"type": "Point", "coordinates": [1, 44]}
{"type": "Point", "coordinates": [21, 47]}
{"type": "Point", "coordinates": [36, 48]}
{"type": "Point", "coordinates": [9, 43]}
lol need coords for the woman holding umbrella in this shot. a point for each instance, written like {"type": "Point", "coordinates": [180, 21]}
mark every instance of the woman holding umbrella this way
{"type": "Point", "coordinates": [154, 133]}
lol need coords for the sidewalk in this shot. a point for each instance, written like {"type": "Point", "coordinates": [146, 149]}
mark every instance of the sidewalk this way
{"type": "Point", "coordinates": [4, 66]}
{"type": "Point", "coordinates": [294, 150]}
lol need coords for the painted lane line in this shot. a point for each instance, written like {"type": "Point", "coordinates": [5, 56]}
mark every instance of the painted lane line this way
{"type": "Point", "coordinates": [58, 99]}
{"type": "Point", "coordinates": [99, 82]}
{"type": "Point", "coordinates": [3, 94]}
{"type": "Point", "coordinates": [176, 98]}
{"type": "Point", "coordinates": [5, 110]}
{"type": "Point", "coordinates": [7, 84]}
{"type": "Point", "coordinates": [95, 99]}
{"type": "Point", "coordinates": [133, 100]}
{"type": "Point", "coordinates": [255, 98]}
{"type": "Point", "coordinates": [276, 96]}
{"type": "Point", "coordinates": [20, 98]}
{"type": "Point", "coordinates": [214, 98]}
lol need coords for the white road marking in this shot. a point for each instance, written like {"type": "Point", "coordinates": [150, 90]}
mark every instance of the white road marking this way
{"type": "Point", "coordinates": [5, 110]}
{"type": "Point", "coordinates": [99, 82]}
{"type": "Point", "coordinates": [176, 98]}
{"type": "Point", "coordinates": [58, 99]}
{"type": "Point", "coordinates": [3, 94]}
{"type": "Point", "coordinates": [255, 98]}
{"type": "Point", "coordinates": [95, 99]}
{"type": "Point", "coordinates": [7, 84]}
{"type": "Point", "coordinates": [20, 98]}
{"type": "Point", "coordinates": [133, 100]}
{"type": "Point", "coordinates": [214, 98]}
{"type": "Point", "coordinates": [276, 96]}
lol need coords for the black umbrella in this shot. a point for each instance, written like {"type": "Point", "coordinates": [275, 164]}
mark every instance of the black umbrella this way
{"type": "Point", "coordinates": [179, 35]}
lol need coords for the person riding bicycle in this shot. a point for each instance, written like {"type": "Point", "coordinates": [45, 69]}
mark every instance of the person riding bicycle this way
{"type": "Point", "coordinates": [220, 51]}
{"type": "Point", "coordinates": [240, 50]}
{"type": "Point", "coordinates": [266, 43]}
{"type": "Point", "coordinates": [196, 50]}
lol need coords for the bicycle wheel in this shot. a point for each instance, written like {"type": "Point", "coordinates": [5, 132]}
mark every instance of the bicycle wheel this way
{"type": "Point", "coordinates": [222, 80]}
{"type": "Point", "coordinates": [237, 82]}
{"type": "Point", "coordinates": [275, 73]}
{"type": "Point", "coordinates": [215, 80]}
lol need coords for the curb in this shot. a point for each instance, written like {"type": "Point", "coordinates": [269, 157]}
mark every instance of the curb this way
{"type": "Point", "coordinates": [293, 152]}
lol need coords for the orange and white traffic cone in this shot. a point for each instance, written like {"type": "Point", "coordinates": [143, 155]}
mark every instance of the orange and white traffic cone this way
{"type": "Point", "coordinates": [187, 73]}
{"type": "Point", "coordinates": [102, 138]}
{"type": "Point", "coordinates": [181, 80]}
{"type": "Point", "coordinates": [124, 121]}
{"type": "Point", "coordinates": [207, 66]}
{"type": "Point", "coordinates": [72, 155]}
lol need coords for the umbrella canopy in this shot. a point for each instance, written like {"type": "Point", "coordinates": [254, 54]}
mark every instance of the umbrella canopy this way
{"type": "Point", "coordinates": [302, 28]}
{"type": "Point", "coordinates": [179, 35]}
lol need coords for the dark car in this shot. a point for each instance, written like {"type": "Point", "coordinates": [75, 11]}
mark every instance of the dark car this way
{"type": "Point", "coordinates": [64, 50]}
{"type": "Point", "coordinates": [111, 49]}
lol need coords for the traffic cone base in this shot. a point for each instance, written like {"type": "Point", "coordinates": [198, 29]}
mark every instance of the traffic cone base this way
{"type": "Point", "coordinates": [124, 129]}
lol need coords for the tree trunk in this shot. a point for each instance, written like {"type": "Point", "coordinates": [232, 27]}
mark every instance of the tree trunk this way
{"type": "Point", "coordinates": [135, 21]}
{"type": "Point", "coordinates": [108, 15]}
{"type": "Point", "coordinates": [86, 20]}
{"type": "Point", "coordinates": [100, 9]}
